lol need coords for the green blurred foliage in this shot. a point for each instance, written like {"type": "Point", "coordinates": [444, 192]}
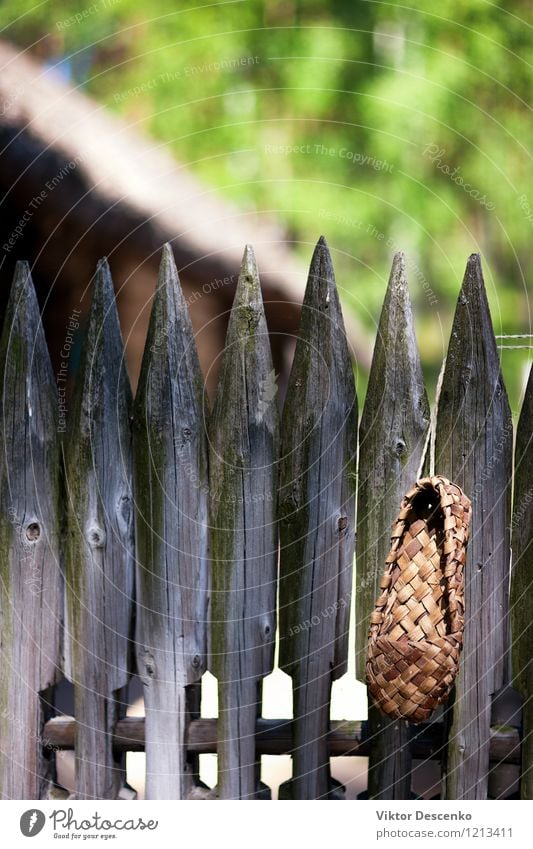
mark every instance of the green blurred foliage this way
{"type": "Point", "coordinates": [392, 111]}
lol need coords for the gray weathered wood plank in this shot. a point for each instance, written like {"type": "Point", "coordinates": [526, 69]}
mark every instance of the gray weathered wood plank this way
{"type": "Point", "coordinates": [473, 447]}
{"type": "Point", "coordinates": [243, 437]}
{"type": "Point", "coordinates": [99, 552]}
{"type": "Point", "coordinates": [317, 501]}
{"type": "Point", "coordinates": [392, 437]}
{"type": "Point", "coordinates": [31, 594]}
{"type": "Point", "coordinates": [522, 582]}
{"type": "Point", "coordinates": [171, 497]}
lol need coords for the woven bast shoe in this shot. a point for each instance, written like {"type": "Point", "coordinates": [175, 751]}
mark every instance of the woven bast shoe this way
{"type": "Point", "coordinates": [416, 629]}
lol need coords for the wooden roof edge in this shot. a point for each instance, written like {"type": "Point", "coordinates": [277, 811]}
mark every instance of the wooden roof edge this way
{"type": "Point", "coordinates": [124, 166]}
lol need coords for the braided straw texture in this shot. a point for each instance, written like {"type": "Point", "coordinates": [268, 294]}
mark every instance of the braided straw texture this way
{"type": "Point", "coordinates": [416, 629]}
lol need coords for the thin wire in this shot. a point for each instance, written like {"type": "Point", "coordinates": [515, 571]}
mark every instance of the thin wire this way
{"type": "Point", "coordinates": [515, 336]}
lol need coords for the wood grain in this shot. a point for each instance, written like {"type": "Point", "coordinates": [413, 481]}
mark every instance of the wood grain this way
{"type": "Point", "coordinates": [392, 437]}
{"type": "Point", "coordinates": [31, 594]}
{"type": "Point", "coordinates": [99, 552]}
{"type": "Point", "coordinates": [522, 582]}
{"type": "Point", "coordinates": [473, 448]}
{"type": "Point", "coordinates": [317, 503]}
{"type": "Point", "coordinates": [170, 460]}
{"type": "Point", "coordinates": [243, 437]}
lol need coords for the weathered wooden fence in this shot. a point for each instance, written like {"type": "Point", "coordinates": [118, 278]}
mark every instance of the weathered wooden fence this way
{"type": "Point", "coordinates": [162, 539]}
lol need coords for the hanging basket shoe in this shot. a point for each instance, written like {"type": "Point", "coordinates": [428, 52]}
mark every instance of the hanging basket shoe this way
{"type": "Point", "coordinates": [416, 630]}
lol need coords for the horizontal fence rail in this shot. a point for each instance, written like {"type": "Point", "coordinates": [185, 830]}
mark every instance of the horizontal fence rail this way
{"type": "Point", "coordinates": [274, 737]}
{"type": "Point", "coordinates": [160, 538]}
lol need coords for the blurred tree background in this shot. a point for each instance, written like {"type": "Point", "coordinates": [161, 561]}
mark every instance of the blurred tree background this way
{"type": "Point", "coordinates": [383, 126]}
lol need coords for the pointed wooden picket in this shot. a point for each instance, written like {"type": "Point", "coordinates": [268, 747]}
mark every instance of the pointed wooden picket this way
{"type": "Point", "coordinates": [392, 438]}
{"type": "Point", "coordinates": [171, 496]}
{"type": "Point", "coordinates": [31, 600]}
{"type": "Point", "coordinates": [522, 583]}
{"type": "Point", "coordinates": [473, 448]}
{"type": "Point", "coordinates": [243, 438]}
{"type": "Point", "coordinates": [99, 554]}
{"type": "Point", "coordinates": [317, 501]}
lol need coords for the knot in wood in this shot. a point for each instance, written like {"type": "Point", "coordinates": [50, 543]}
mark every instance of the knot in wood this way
{"type": "Point", "coordinates": [124, 508]}
{"type": "Point", "coordinates": [148, 664]}
{"type": "Point", "coordinates": [342, 524]}
{"type": "Point", "coordinates": [400, 447]}
{"type": "Point", "coordinates": [33, 531]}
{"type": "Point", "coordinates": [96, 536]}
